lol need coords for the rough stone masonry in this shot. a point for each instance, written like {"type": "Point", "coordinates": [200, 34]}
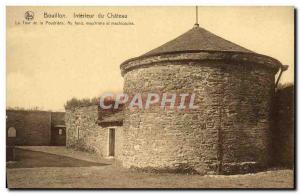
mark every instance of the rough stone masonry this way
{"type": "Point", "coordinates": [229, 132]}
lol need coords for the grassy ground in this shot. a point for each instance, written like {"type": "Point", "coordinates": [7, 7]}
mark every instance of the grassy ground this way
{"type": "Point", "coordinates": [58, 167]}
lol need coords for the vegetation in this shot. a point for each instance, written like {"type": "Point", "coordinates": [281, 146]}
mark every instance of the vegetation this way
{"type": "Point", "coordinates": [75, 103]}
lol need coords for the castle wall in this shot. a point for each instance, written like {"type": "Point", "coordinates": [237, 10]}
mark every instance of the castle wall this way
{"type": "Point", "coordinates": [57, 118]}
{"type": "Point", "coordinates": [32, 127]}
{"type": "Point", "coordinates": [283, 129]}
{"type": "Point", "coordinates": [228, 133]}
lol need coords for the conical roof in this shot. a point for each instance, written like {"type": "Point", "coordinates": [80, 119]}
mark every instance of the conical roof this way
{"type": "Point", "coordinates": [197, 39]}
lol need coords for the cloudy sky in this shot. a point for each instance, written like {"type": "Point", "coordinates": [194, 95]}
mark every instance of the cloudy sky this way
{"type": "Point", "coordinates": [49, 64]}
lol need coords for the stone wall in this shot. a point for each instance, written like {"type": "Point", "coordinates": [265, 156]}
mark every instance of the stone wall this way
{"type": "Point", "coordinates": [119, 142]}
{"type": "Point", "coordinates": [227, 134]}
{"type": "Point", "coordinates": [283, 128]}
{"type": "Point", "coordinates": [33, 127]}
{"type": "Point", "coordinates": [245, 119]}
{"type": "Point", "coordinates": [84, 133]}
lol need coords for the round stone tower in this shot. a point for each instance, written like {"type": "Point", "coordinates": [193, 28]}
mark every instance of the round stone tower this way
{"type": "Point", "coordinates": [228, 132]}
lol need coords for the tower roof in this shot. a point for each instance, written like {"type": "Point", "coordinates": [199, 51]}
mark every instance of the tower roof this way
{"type": "Point", "coordinates": [197, 39]}
{"type": "Point", "coordinates": [199, 44]}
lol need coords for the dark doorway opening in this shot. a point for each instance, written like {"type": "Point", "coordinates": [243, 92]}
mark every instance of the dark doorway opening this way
{"type": "Point", "coordinates": [58, 136]}
{"type": "Point", "coordinates": [111, 146]}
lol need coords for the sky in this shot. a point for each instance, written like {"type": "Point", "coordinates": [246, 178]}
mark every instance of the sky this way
{"type": "Point", "coordinates": [46, 65]}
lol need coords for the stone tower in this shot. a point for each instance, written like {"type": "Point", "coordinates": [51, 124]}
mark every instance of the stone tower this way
{"type": "Point", "coordinates": [228, 133]}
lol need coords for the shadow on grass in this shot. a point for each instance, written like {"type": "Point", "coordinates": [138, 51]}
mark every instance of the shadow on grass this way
{"type": "Point", "coordinates": [34, 159]}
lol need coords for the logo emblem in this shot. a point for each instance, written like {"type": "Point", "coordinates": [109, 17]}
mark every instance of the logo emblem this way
{"type": "Point", "coordinates": [29, 15]}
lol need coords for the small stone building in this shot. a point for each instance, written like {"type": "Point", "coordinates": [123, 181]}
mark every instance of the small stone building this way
{"type": "Point", "coordinates": [228, 133]}
{"type": "Point", "coordinates": [93, 130]}
{"type": "Point", "coordinates": [35, 128]}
